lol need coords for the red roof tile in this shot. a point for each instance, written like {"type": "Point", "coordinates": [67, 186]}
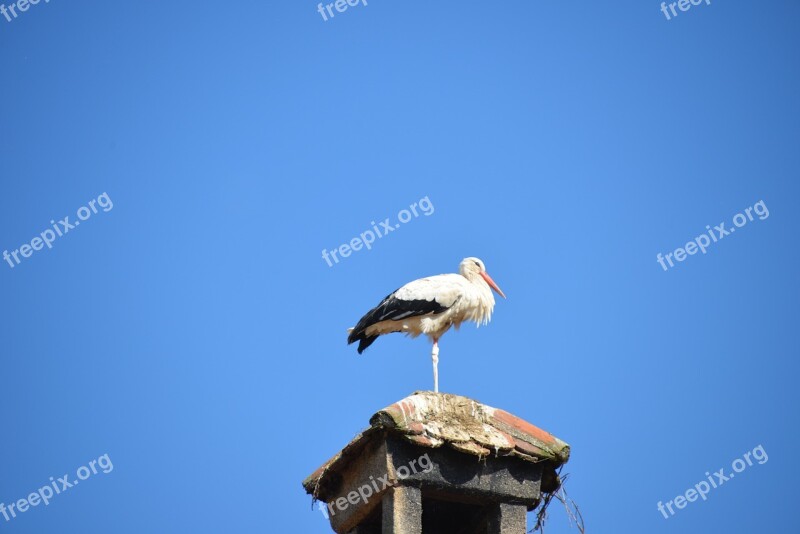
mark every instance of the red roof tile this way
{"type": "Point", "coordinates": [467, 424]}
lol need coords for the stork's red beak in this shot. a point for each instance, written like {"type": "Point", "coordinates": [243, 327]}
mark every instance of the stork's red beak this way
{"type": "Point", "coordinates": [491, 283]}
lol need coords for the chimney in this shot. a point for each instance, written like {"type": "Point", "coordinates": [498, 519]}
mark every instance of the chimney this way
{"type": "Point", "coordinates": [438, 463]}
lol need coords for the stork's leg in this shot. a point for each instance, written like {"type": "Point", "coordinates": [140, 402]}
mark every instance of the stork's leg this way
{"type": "Point", "coordinates": [435, 358]}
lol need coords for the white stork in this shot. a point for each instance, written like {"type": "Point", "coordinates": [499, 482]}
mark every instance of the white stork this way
{"type": "Point", "coordinates": [431, 306]}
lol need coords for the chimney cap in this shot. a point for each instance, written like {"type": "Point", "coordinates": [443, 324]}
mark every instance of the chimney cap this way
{"type": "Point", "coordinates": [434, 420]}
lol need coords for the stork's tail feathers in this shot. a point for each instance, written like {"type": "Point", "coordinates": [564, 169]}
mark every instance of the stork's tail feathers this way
{"type": "Point", "coordinates": [364, 340]}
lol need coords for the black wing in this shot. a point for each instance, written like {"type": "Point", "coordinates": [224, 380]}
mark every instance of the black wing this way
{"type": "Point", "coordinates": [391, 308]}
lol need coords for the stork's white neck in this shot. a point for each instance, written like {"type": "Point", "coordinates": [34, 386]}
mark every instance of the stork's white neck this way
{"type": "Point", "coordinates": [483, 299]}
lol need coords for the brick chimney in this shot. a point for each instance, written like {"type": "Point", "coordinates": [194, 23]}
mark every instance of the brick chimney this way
{"type": "Point", "coordinates": [437, 463]}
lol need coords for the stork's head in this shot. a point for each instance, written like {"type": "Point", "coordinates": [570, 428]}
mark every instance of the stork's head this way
{"type": "Point", "coordinates": [472, 268]}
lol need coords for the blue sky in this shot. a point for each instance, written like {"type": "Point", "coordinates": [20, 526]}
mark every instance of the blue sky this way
{"type": "Point", "coordinates": [194, 333]}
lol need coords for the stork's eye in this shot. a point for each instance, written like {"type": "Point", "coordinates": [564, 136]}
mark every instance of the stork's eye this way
{"type": "Point", "coordinates": [478, 264]}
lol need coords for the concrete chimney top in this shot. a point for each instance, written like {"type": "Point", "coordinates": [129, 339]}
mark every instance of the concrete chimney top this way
{"type": "Point", "coordinates": [436, 462]}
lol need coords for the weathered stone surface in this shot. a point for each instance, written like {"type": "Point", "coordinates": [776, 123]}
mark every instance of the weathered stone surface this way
{"type": "Point", "coordinates": [402, 511]}
{"type": "Point", "coordinates": [508, 519]}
